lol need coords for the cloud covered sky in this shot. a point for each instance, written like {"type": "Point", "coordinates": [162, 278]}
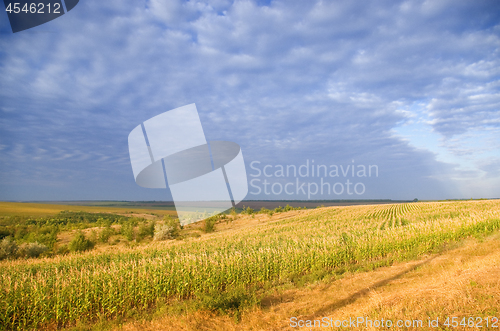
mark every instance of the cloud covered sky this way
{"type": "Point", "coordinates": [410, 86]}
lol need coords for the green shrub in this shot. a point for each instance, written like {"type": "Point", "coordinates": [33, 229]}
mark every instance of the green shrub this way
{"type": "Point", "coordinates": [128, 231]}
{"type": "Point", "coordinates": [34, 249]}
{"type": "Point", "coordinates": [105, 234]}
{"type": "Point", "coordinates": [4, 233]}
{"type": "Point", "coordinates": [232, 300]}
{"type": "Point", "coordinates": [209, 224]}
{"type": "Point", "coordinates": [8, 248]}
{"type": "Point", "coordinates": [93, 236]}
{"type": "Point", "coordinates": [79, 243]}
{"type": "Point", "coordinates": [146, 230]}
{"type": "Point", "coordinates": [247, 210]}
{"type": "Point", "coordinates": [264, 211]}
{"type": "Point", "coordinates": [169, 230]}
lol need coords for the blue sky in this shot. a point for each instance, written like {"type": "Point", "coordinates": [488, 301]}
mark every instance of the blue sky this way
{"type": "Point", "coordinates": [410, 86]}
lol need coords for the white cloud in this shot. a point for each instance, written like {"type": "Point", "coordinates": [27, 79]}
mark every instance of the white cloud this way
{"type": "Point", "coordinates": [331, 79]}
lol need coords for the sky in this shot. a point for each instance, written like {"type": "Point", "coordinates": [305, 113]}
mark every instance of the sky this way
{"type": "Point", "coordinates": [411, 88]}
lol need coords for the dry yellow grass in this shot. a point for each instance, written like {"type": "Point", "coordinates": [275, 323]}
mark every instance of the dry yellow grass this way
{"type": "Point", "coordinates": [42, 209]}
{"type": "Point", "coordinates": [462, 282]}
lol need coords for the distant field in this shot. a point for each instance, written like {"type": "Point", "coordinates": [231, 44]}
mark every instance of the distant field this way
{"type": "Point", "coordinates": [46, 209]}
{"type": "Point", "coordinates": [270, 204]}
{"type": "Point", "coordinates": [41, 207]}
{"type": "Point", "coordinates": [111, 203]}
{"type": "Point", "coordinates": [230, 270]}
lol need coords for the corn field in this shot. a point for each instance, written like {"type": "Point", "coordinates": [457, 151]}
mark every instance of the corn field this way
{"type": "Point", "coordinates": [90, 286]}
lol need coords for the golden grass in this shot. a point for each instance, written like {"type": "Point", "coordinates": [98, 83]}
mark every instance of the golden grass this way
{"type": "Point", "coordinates": [462, 282]}
{"type": "Point", "coordinates": [42, 209]}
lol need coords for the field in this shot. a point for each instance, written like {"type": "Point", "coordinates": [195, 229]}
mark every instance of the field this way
{"type": "Point", "coordinates": [45, 209]}
{"type": "Point", "coordinates": [233, 270]}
